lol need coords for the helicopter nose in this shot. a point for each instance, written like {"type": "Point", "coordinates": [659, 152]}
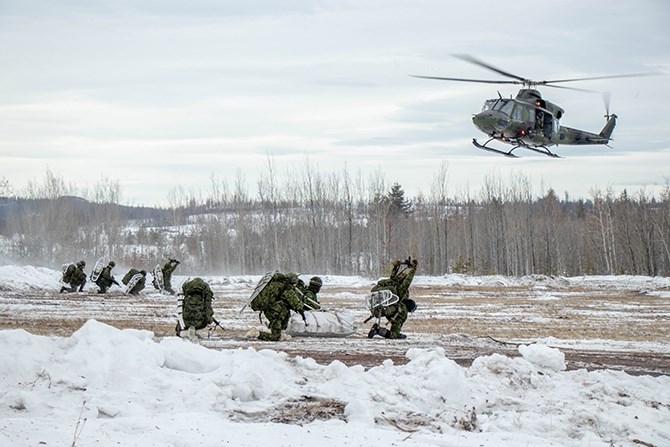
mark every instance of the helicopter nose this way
{"type": "Point", "coordinates": [485, 121]}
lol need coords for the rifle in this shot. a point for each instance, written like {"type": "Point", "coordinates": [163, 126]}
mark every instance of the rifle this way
{"type": "Point", "coordinates": [216, 323]}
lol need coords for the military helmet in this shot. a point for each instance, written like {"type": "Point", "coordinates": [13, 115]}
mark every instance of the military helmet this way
{"type": "Point", "coordinates": [81, 263]}
{"type": "Point", "coordinates": [112, 264]}
{"type": "Point", "coordinates": [411, 305]}
{"type": "Point", "coordinates": [315, 280]}
{"type": "Point", "coordinates": [143, 272]}
{"type": "Point", "coordinates": [292, 278]}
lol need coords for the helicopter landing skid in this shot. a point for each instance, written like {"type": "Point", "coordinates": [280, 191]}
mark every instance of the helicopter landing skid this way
{"type": "Point", "coordinates": [497, 151]}
{"type": "Point", "coordinates": [544, 150]}
{"type": "Point", "coordinates": [519, 144]}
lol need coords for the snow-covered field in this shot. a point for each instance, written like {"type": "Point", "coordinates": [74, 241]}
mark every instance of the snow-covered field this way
{"type": "Point", "coordinates": [489, 361]}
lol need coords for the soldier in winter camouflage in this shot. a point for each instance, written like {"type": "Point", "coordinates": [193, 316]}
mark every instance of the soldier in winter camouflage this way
{"type": "Point", "coordinates": [75, 277]}
{"type": "Point", "coordinates": [398, 283]}
{"type": "Point", "coordinates": [137, 288]}
{"type": "Point", "coordinates": [196, 307]}
{"type": "Point", "coordinates": [309, 292]}
{"type": "Point", "coordinates": [167, 269]}
{"type": "Point", "coordinates": [276, 301]}
{"type": "Point", "coordinates": [105, 280]}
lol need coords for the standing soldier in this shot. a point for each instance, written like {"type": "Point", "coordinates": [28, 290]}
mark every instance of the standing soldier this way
{"type": "Point", "coordinates": [398, 283]}
{"type": "Point", "coordinates": [75, 277]}
{"type": "Point", "coordinates": [105, 280]}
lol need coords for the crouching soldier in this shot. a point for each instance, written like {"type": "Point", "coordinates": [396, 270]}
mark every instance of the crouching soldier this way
{"type": "Point", "coordinates": [194, 308]}
{"type": "Point", "coordinates": [396, 310]}
{"type": "Point", "coordinates": [74, 276]}
{"type": "Point", "coordinates": [105, 280]}
{"type": "Point", "coordinates": [276, 301]}
{"type": "Point", "coordinates": [309, 292]}
{"type": "Point", "coordinates": [139, 285]}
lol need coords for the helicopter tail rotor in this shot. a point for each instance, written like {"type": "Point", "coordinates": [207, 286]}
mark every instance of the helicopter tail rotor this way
{"type": "Point", "coordinates": [607, 96]}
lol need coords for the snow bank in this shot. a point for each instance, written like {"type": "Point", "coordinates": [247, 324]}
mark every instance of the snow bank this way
{"type": "Point", "coordinates": [129, 389]}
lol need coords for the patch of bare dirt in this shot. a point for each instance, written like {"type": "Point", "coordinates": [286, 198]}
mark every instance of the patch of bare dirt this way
{"type": "Point", "coordinates": [465, 321]}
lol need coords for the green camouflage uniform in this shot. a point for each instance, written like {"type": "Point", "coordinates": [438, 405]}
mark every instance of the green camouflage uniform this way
{"type": "Point", "coordinates": [397, 313]}
{"type": "Point", "coordinates": [75, 277]}
{"type": "Point", "coordinates": [105, 280]}
{"type": "Point", "coordinates": [308, 295]}
{"type": "Point", "coordinates": [167, 269]}
{"type": "Point", "coordinates": [197, 307]}
{"type": "Point", "coordinates": [276, 302]}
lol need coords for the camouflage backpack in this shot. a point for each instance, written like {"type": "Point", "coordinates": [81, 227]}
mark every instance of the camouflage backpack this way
{"type": "Point", "coordinates": [269, 294]}
{"type": "Point", "coordinates": [385, 284]}
{"type": "Point", "coordinates": [67, 275]}
{"type": "Point", "coordinates": [132, 272]}
{"type": "Point", "coordinates": [197, 308]}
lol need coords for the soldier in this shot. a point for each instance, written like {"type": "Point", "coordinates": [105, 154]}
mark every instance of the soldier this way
{"type": "Point", "coordinates": [105, 280]}
{"type": "Point", "coordinates": [398, 283]}
{"type": "Point", "coordinates": [75, 277]}
{"type": "Point", "coordinates": [139, 286]}
{"type": "Point", "coordinates": [196, 307]}
{"type": "Point", "coordinates": [309, 292]}
{"type": "Point", "coordinates": [276, 301]}
{"type": "Point", "coordinates": [167, 269]}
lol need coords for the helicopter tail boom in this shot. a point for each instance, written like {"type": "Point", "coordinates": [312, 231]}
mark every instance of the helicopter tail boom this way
{"type": "Point", "coordinates": [609, 126]}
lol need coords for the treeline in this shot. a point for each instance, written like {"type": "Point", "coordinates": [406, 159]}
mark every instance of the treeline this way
{"type": "Point", "coordinates": [345, 224]}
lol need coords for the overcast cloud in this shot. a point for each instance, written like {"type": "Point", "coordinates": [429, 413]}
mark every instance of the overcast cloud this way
{"type": "Point", "coordinates": [164, 93]}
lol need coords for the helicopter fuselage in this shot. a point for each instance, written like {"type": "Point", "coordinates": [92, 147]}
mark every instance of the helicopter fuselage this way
{"type": "Point", "coordinates": [532, 122]}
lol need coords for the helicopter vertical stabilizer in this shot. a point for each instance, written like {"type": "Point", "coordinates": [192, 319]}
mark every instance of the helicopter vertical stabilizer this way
{"type": "Point", "coordinates": [609, 127]}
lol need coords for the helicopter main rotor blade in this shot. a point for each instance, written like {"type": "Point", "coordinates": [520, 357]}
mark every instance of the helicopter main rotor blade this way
{"type": "Point", "coordinates": [472, 60]}
{"type": "Point", "coordinates": [485, 81]}
{"type": "Point", "coordinates": [570, 88]}
{"type": "Point", "coordinates": [630, 75]}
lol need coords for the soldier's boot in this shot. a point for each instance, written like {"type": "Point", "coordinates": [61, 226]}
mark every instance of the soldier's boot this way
{"type": "Point", "coordinates": [191, 333]}
{"type": "Point", "coordinates": [373, 331]}
{"type": "Point", "coordinates": [401, 336]}
{"type": "Point", "coordinates": [384, 332]}
{"type": "Point", "coordinates": [62, 289]}
{"type": "Point", "coordinates": [268, 336]}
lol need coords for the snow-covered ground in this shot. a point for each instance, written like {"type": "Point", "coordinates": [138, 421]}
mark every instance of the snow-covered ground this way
{"type": "Point", "coordinates": [106, 386]}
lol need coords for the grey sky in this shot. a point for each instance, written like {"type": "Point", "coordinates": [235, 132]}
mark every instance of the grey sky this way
{"type": "Point", "coordinates": [164, 93]}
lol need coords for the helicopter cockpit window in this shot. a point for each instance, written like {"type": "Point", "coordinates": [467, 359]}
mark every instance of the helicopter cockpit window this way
{"type": "Point", "coordinates": [507, 108]}
{"type": "Point", "coordinates": [520, 113]}
{"type": "Point", "coordinates": [489, 104]}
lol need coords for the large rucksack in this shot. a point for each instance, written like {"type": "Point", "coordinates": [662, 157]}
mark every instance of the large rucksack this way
{"type": "Point", "coordinates": [67, 275]}
{"type": "Point", "coordinates": [385, 284]}
{"type": "Point", "coordinates": [128, 276]}
{"type": "Point", "coordinates": [197, 303]}
{"type": "Point", "coordinates": [270, 293]}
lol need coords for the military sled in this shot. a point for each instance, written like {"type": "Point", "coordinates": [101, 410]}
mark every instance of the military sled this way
{"type": "Point", "coordinates": [322, 323]}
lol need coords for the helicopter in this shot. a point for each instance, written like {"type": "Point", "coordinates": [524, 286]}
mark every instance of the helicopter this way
{"type": "Point", "coordinates": [529, 121]}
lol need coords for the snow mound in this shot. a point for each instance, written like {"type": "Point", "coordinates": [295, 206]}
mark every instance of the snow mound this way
{"type": "Point", "coordinates": [543, 357]}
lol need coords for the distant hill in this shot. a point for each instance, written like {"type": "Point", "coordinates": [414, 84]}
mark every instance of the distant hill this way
{"type": "Point", "coordinates": [16, 206]}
